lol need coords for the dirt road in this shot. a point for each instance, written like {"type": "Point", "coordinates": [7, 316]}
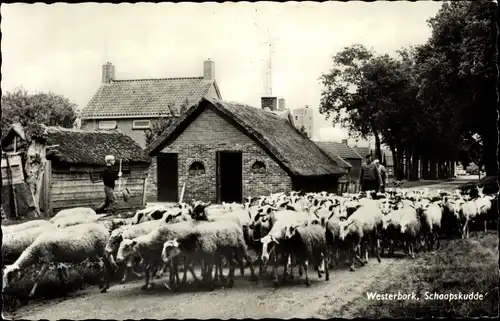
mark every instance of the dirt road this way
{"type": "Point", "coordinates": [245, 300]}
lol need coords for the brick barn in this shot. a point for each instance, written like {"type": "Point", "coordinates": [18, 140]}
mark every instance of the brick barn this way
{"type": "Point", "coordinates": [226, 151]}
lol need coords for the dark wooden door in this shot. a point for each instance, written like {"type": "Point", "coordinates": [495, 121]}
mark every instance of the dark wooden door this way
{"type": "Point", "coordinates": [229, 177]}
{"type": "Point", "coordinates": [167, 177]}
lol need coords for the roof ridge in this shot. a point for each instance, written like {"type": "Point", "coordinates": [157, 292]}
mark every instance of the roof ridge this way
{"type": "Point", "coordinates": [164, 78]}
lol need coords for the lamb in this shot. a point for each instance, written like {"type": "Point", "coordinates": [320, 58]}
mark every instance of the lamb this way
{"type": "Point", "coordinates": [128, 232]}
{"type": "Point", "coordinates": [14, 244]}
{"type": "Point", "coordinates": [72, 212]}
{"type": "Point", "coordinates": [24, 226]}
{"type": "Point", "coordinates": [308, 242]}
{"type": "Point", "coordinates": [149, 246]}
{"type": "Point", "coordinates": [73, 244]}
{"type": "Point", "coordinates": [363, 226]}
{"type": "Point", "coordinates": [209, 241]}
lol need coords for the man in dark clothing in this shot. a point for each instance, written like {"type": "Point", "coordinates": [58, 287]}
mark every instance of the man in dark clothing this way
{"type": "Point", "coordinates": [369, 177]}
{"type": "Point", "coordinates": [109, 177]}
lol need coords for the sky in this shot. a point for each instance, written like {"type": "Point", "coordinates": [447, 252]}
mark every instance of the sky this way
{"type": "Point", "coordinates": [61, 47]}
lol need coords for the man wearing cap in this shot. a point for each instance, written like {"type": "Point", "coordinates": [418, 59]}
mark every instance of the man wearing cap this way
{"type": "Point", "coordinates": [369, 177]}
{"type": "Point", "coordinates": [109, 177]}
{"type": "Point", "coordinates": [383, 175]}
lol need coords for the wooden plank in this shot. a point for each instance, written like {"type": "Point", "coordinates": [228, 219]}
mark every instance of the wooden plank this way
{"type": "Point", "coordinates": [87, 177]}
{"type": "Point", "coordinates": [134, 202]}
{"type": "Point", "coordinates": [88, 182]}
{"type": "Point", "coordinates": [58, 188]}
{"type": "Point", "coordinates": [45, 190]}
{"type": "Point", "coordinates": [144, 192]}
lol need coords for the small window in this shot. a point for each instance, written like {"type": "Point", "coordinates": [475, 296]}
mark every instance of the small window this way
{"type": "Point", "coordinates": [141, 124]}
{"type": "Point", "coordinates": [296, 117]}
{"type": "Point", "coordinates": [259, 166]}
{"type": "Point", "coordinates": [196, 168]}
{"type": "Point", "coordinates": [107, 124]}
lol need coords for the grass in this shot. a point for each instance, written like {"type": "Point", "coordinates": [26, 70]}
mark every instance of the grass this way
{"type": "Point", "coordinates": [465, 266]}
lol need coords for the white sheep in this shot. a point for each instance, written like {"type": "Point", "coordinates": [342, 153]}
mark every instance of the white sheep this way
{"type": "Point", "coordinates": [72, 212]}
{"type": "Point", "coordinates": [73, 244]}
{"type": "Point", "coordinates": [208, 241]}
{"type": "Point", "coordinates": [410, 227]}
{"type": "Point", "coordinates": [307, 242]}
{"type": "Point", "coordinates": [77, 219]}
{"type": "Point", "coordinates": [361, 228]}
{"type": "Point", "coordinates": [431, 215]}
{"type": "Point", "coordinates": [24, 226]}
{"type": "Point", "coordinates": [468, 212]}
{"type": "Point", "coordinates": [149, 246]}
{"type": "Point", "coordinates": [128, 232]}
{"type": "Point", "coordinates": [14, 244]}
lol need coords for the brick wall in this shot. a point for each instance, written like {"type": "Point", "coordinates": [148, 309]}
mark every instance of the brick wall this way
{"type": "Point", "coordinates": [208, 134]}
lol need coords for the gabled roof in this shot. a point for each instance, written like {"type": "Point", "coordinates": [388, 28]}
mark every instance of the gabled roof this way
{"type": "Point", "coordinates": [297, 154]}
{"type": "Point", "coordinates": [340, 149]}
{"type": "Point", "coordinates": [81, 147]}
{"type": "Point", "coordinates": [146, 97]}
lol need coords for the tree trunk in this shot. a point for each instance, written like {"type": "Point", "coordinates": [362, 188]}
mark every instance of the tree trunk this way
{"type": "Point", "coordinates": [399, 160]}
{"type": "Point", "coordinates": [395, 161]}
{"type": "Point", "coordinates": [378, 150]}
{"type": "Point", "coordinates": [432, 172]}
{"type": "Point", "coordinates": [490, 153]}
{"type": "Point", "coordinates": [425, 167]}
{"type": "Point", "coordinates": [414, 168]}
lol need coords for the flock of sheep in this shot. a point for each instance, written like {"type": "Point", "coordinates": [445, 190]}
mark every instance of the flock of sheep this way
{"type": "Point", "coordinates": [292, 229]}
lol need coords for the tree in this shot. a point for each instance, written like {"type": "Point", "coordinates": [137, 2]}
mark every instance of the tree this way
{"type": "Point", "coordinates": [159, 125]}
{"type": "Point", "coordinates": [459, 66]}
{"type": "Point", "coordinates": [49, 109]}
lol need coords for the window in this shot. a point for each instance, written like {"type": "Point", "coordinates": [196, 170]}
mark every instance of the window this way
{"type": "Point", "coordinates": [141, 124]}
{"type": "Point", "coordinates": [296, 117]}
{"type": "Point", "coordinates": [107, 124]}
{"type": "Point", "coordinates": [258, 167]}
{"type": "Point", "coordinates": [196, 168]}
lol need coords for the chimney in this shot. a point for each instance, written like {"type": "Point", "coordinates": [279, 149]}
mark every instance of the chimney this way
{"type": "Point", "coordinates": [344, 141]}
{"type": "Point", "coordinates": [281, 104]}
{"type": "Point", "coordinates": [209, 70]}
{"type": "Point", "coordinates": [269, 102]}
{"type": "Point", "coordinates": [108, 73]}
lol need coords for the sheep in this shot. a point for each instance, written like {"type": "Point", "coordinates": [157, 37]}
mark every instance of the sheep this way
{"type": "Point", "coordinates": [468, 212]}
{"type": "Point", "coordinates": [73, 244]}
{"type": "Point", "coordinates": [209, 240]}
{"type": "Point", "coordinates": [66, 221]}
{"type": "Point", "coordinates": [391, 230]}
{"type": "Point", "coordinates": [410, 229]}
{"type": "Point", "coordinates": [332, 234]}
{"type": "Point", "coordinates": [72, 212]}
{"type": "Point", "coordinates": [149, 247]}
{"type": "Point", "coordinates": [451, 220]}
{"type": "Point", "coordinates": [362, 226]}
{"type": "Point", "coordinates": [14, 244]}
{"type": "Point", "coordinates": [24, 226]}
{"type": "Point", "coordinates": [484, 206]}
{"type": "Point", "coordinates": [308, 242]}
{"type": "Point", "coordinates": [150, 214]}
{"type": "Point", "coordinates": [128, 232]}
{"type": "Point", "coordinates": [431, 215]}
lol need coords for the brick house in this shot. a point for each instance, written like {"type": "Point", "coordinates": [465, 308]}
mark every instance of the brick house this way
{"type": "Point", "coordinates": [131, 105]}
{"type": "Point", "coordinates": [346, 153]}
{"type": "Point", "coordinates": [226, 151]}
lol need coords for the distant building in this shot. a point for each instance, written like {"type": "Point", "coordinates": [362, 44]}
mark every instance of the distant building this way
{"type": "Point", "coordinates": [303, 117]}
{"type": "Point", "coordinates": [131, 105]}
{"type": "Point", "coordinates": [342, 153]}
{"type": "Point", "coordinates": [281, 104]}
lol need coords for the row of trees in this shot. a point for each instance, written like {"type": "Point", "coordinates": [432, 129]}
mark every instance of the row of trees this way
{"type": "Point", "coordinates": [429, 101]}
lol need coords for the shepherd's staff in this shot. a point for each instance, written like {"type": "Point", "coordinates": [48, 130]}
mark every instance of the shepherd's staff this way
{"type": "Point", "coordinates": [182, 192]}
{"type": "Point", "coordinates": [120, 177]}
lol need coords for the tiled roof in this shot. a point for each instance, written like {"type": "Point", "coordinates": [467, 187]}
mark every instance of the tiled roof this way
{"type": "Point", "coordinates": [299, 155]}
{"type": "Point", "coordinates": [340, 149]}
{"type": "Point", "coordinates": [145, 97]}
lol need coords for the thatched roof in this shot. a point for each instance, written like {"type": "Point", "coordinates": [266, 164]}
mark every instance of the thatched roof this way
{"type": "Point", "coordinates": [90, 147]}
{"type": "Point", "coordinates": [296, 153]}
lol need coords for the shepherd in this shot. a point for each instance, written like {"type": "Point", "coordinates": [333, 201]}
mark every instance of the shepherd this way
{"type": "Point", "coordinates": [369, 177]}
{"type": "Point", "coordinates": [383, 175]}
{"type": "Point", "coordinates": [109, 177]}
